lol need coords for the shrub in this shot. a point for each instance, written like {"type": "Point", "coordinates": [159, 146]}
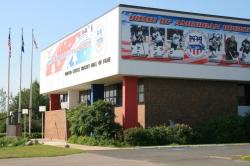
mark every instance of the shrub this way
{"type": "Point", "coordinates": [246, 126]}
{"type": "Point", "coordinates": [2, 122]}
{"type": "Point", "coordinates": [33, 135]}
{"type": "Point", "coordinates": [96, 120]}
{"type": "Point", "coordinates": [137, 137]}
{"type": "Point", "coordinates": [76, 116]}
{"type": "Point", "coordinates": [230, 129]}
{"type": "Point", "coordinates": [102, 120]}
{"type": "Point", "coordinates": [12, 141]}
{"type": "Point", "coordinates": [182, 134]}
{"type": "Point", "coordinates": [85, 140]}
{"type": "Point", "coordinates": [161, 135]}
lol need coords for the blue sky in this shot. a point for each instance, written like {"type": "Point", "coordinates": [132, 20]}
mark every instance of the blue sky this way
{"type": "Point", "coordinates": [54, 19]}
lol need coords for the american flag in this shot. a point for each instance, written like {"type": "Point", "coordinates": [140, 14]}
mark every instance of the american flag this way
{"type": "Point", "coordinates": [9, 44]}
{"type": "Point", "coordinates": [22, 48]}
{"type": "Point", "coordinates": [34, 41]}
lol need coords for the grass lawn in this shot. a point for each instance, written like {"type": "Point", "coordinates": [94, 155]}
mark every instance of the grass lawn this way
{"type": "Point", "coordinates": [246, 158]}
{"type": "Point", "coordinates": [35, 151]}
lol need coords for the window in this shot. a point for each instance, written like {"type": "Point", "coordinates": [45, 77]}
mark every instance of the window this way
{"type": "Point", "coordinates": [140, 91]}
{"type": "Point", "coordinates": [244, 95]}
{"type": "Point", "coordinates": [64, 98]}
{"type": "Point", "coordinates": [85, 97]}
{"type": "Point", "coordinates": [113, 94]}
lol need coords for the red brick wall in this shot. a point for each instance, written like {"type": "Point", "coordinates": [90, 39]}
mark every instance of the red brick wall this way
{"type": "Point", "coordinates": [55, 125]}
{"type": "Point", "coordinates": [118, 115]}
{"type": "Point", "coordinates": [188, 101]}
{"type": "Point", "coordinates": [141, 115]}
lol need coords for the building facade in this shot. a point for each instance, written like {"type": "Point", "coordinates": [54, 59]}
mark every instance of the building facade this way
{"type": "Point", "coordinates": [155, 66]}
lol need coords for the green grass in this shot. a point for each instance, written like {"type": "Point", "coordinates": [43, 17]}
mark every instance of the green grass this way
{"type": "Point", "coordinates": [35, 151]}
{"type": "Point", "coordinates": [246, 158]}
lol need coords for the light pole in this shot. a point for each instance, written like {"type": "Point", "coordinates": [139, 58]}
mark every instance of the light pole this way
{"type": "Point", "coordinates": [42, 109]}
{"type": "Point", "coordinates": [25, 112]}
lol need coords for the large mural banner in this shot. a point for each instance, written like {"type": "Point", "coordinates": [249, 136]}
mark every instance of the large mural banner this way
{"type": "Point", "coordinates": [83, 45]}
{"type": "Point", "coordinates": [151, 37]}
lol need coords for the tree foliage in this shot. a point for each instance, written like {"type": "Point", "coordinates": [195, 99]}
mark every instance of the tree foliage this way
{"type": "Point", "coordinates": [37, 100]}
{"type": "Point", "coordinates": [3, 97]}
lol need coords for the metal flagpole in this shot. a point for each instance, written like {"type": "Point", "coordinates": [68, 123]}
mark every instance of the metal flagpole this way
{"type": "Point", "coordinates": [20, 85]}
{"type": "Point", "coordinates": [8, 88]}
{"type": "Point", "coordinates": [30, 102]}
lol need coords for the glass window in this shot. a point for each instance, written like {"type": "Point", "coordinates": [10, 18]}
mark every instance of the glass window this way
{"type": "Point", "coordinates": [244, 95]}
{"type": "Point", "coordinates": [85, 96]}
{"type": "Point", "coordinates": [64, 98]}
{"type": "Point", "coordinates": [140, 91]}
{"type": "Point", "coordinates": [112, 93]}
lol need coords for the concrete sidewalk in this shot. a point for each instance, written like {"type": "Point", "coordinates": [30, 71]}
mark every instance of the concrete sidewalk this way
{"type": "Point", "coordinates": [60, 143]}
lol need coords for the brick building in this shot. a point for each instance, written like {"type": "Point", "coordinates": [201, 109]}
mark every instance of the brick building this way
{"type": "Point", "coordinates": [154, 65]}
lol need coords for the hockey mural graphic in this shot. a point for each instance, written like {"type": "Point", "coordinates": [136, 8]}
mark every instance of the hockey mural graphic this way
{"type": "Point", "coordinates": [139, 37]}
{"type": "Point", "coordinates": [215, 47]}
{"type": "Point", "coordinates": [245, 51]}
{"type": "Point", "coordinates": [195, 44]}
{"type": "Point", "coordinates": [157, 36]}
{"type": "Point", "coordinates": [151, 37]}
{"type": "Point", "coordinates": [175, 43]}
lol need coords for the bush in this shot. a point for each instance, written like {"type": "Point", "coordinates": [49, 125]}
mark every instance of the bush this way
{"type": "Point", "coordinates": [92, 141]}
{"type": "Point", "coordinates": [2, 123]}
{"type": "Point", "coordinates": [137, 137]}
{"type": "Point", "coordinates": [33, 135]}
{"type": "Point", "coordinates": [246, 126]}
{"type": "Point", "coordinates": [161, 135]}
{"type": "Point", "coordinates": [96, 120]}
{"type": "Point", "coordinates": [230, 129]}
{"type": "Point", "coordinates": [76, 116]}
{"type": "Point", "coordinates": [182, 134]}
{"type": "Point", "coordinates": [12, 141]}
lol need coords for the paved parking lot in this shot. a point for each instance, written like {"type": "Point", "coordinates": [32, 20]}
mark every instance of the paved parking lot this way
{"type": "Point", "coordinates": [227, 155]}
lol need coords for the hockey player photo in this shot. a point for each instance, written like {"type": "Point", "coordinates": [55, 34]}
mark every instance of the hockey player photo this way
{"type": "Point", "coordinates": [232, 53]}
{"type": "Point", "coordinates": [138, 39]}
{"type": "Point", "coordinates": [245, 51]}
{"type": "Point", "coordinates": [175, 40]}
{"type": "Point", "coordinates": [215, 47]}
{"type": "Point", "coordinates": [157, 41]}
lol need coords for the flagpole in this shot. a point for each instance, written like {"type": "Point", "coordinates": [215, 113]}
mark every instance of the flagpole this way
{"type": "Point", "coordinates": [31, 66]}
{"type": "Point", "coordinates": [20, 83]}
{"type": "Point", "coordinates": [8, 87]}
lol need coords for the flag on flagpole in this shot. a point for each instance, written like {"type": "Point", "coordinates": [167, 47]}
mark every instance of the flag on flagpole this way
{"type": "Point", "coordinates": [22, 48]}
{"type": "Point", "coordinates": [34, 41]}
{"type": "Point", "coordinates": [9, 44]}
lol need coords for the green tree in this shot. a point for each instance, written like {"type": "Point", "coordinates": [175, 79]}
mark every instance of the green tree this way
{"type": "Point", "coordinates": [3, 98]}
{"type": "Point", "coordinates": [37, 100]}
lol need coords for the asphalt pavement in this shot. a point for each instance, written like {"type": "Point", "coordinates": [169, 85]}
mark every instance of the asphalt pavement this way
{"type": "Point", "coordinates": [219, 155]}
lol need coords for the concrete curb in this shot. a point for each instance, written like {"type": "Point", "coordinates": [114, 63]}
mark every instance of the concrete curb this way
{"type": "Point", "coordinates": [98, 148]}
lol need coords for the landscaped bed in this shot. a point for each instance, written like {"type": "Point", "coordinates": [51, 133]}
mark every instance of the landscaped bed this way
{"type": "Point", "coordinates": [246, 158]}
{"type": "Point", "coordinates": [35, 151]}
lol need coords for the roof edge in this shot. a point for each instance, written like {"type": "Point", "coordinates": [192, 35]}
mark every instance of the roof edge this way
{"type": "Point", "coordinates": [183, 12]}
{"type": "Point", "coordinates": [146, 8]}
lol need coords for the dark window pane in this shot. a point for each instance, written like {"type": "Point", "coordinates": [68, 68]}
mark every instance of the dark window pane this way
{"type": "Point", "coordinates": [141, 97]}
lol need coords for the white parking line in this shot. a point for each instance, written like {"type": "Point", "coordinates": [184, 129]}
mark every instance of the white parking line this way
{"type": "Point", "coordinates": [220, 157]}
